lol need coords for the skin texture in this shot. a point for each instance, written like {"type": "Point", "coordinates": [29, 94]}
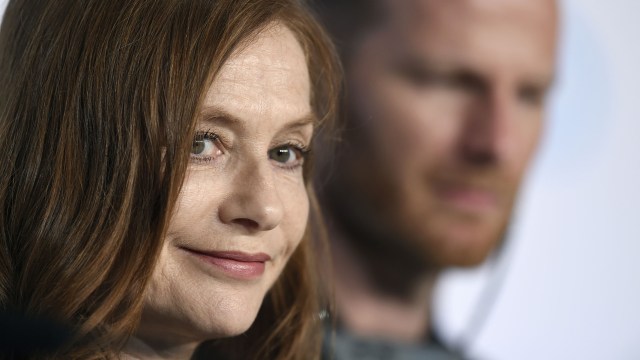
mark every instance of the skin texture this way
{"type": "Point", "coordinates": [236, 196]}
{"type": "Point", "coordinates": [447, 98]}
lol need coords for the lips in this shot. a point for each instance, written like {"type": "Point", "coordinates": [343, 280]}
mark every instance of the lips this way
{"type": "Point", "coordinates": [235, 264]}
{"type": "Point", "coordinates": [469, 199]}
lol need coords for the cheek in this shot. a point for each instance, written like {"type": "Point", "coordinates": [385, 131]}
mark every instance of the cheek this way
{"type": "Point", "coordinates": [525, 143]}
{"type": "Point", "coordinates": [420, 126]}
{"type": "Point", "coordinates": [414, 141]}
{"type": "Point", "coordinates": [296, 215]}
{"type": "Point", "coordinates": [197, 203]}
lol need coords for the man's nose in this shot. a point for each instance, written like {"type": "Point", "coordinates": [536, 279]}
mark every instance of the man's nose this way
{"type": "Point", "coordinates": [488, 132]}
{"type": "Point", "coordinates": [254, 204]}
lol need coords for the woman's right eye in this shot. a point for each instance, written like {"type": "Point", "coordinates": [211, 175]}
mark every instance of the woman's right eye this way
{"type": "Point", "coordinates": [206, 147]}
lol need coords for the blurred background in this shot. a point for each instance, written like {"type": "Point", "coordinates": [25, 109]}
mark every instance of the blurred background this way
{"type": "Point", "coordinates": [567, 285]}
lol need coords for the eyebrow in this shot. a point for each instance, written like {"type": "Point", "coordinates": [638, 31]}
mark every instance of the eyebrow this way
{"type": "Point", "coordinates": [430, 66]}
{"type": "Point", "coordinates": [220, 116]}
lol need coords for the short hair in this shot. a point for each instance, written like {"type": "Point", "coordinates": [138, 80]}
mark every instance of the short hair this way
{"type": "Point", "coordinates": [98, 106]}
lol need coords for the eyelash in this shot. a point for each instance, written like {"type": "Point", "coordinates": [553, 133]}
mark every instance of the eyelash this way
{"type": "Point", "coordinates": [303, 150]}
{"type": "Point", "coordinates": [202, 136]}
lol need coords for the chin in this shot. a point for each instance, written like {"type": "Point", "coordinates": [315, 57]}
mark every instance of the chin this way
{"type": "Point", "coordinates": [463, 246]}
{"type": "Point", "coordinates": [224, 324]}
{"type": "Point", "coordinates": [468, 259]}
{"type": "Point", "coordinates": [236, 327]}
{"type": "Point", "coordinates": [235, 318]}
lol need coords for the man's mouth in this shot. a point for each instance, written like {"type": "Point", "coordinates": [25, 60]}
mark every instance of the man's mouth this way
{"type": "Point", "coordinates": [468, 199]}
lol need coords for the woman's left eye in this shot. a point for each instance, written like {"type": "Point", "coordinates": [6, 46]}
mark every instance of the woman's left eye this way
{"type": "Point", "coordinates": [289, 156]}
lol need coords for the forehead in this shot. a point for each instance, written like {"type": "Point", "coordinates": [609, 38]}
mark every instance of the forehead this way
{"type": "Point", "coordinates": [482, 33]}
{"type": "Point", "coordinates": [266, 77]}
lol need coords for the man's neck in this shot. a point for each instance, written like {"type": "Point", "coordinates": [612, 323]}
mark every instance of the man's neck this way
{"type": "Point", "coordinates": [367, 310]}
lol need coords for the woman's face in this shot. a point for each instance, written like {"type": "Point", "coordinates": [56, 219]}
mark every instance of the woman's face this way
{"type": "Point", "coordinates": [243, 207]}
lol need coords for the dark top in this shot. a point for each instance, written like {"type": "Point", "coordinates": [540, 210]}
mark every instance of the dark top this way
{"type": "Point", "coordinates": [341, 345]}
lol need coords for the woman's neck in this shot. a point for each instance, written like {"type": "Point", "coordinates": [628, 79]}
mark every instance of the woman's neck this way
{"type": "Point", "coordinates": [139, 349]}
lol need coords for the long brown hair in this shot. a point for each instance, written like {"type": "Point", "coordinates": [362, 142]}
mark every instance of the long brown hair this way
{"type": "Point", "coordinates": [98, 106]}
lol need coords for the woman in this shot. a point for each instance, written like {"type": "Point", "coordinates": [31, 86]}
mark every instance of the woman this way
{"type": "Point", "coordinates": [155, 173]}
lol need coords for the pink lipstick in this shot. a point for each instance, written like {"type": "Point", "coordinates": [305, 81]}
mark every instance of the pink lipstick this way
{"type": "Point", "coordinates": [235, 264]}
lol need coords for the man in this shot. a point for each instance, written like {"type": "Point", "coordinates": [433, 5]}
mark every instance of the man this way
{"type": "Point", "coordinates": [445, 102]}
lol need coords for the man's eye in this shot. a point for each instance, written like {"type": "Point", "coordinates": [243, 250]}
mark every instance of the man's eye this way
{"type": "Point", "coordinates": [288, 156]}
{"type": "Point", "coordinates": [459, 81]}
{"type": "Point", "coordinates": [531, 95]}
{"type": "Point", "coordinates": [416, 76]}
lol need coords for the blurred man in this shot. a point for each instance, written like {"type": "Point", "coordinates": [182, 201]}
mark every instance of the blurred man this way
{"type": "Point", "coordinates": [445, 103]}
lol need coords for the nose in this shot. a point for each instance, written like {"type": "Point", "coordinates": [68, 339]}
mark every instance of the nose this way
{"type": "Point", "coordinates": [254, 203]}
{"type": "Point", "coordinates": [487, 134]}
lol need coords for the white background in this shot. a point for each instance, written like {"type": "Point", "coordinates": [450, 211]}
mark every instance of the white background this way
{"type": "Point", "coordinates": [567, 285]}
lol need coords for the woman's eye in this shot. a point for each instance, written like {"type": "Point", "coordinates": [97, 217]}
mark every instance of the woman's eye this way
{"type": "Point", "coordinates": [205, 147]}
{"type": "Point", "coordinates": [288, 155]}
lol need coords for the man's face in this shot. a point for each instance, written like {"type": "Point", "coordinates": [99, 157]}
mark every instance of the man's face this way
{"type": "Point", "coordinates": [451, 96]}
